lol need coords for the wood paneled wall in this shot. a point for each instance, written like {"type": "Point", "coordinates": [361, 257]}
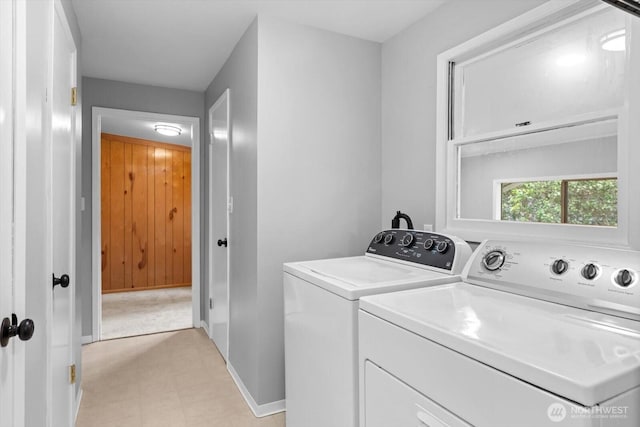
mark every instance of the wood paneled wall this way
{"type": "Point", "coordinates": [146, 214]}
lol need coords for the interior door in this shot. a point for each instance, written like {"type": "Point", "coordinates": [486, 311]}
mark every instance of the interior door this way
{"type": "Point", "coordinates": [219, 201]}
{"type": "Point", "coordinates": [12, 238]}
{"type": "Point", "coordinates": [63, 220]}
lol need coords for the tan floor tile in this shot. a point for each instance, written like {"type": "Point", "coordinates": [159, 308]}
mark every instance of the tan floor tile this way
{"type": "Point", "coordinates": [175, 379]}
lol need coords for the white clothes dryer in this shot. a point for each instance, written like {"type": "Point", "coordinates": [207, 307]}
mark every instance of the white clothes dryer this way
{"type": "Point", "coordinates": [321, 314]}
{"type": "Point", "coordinates": [536, 335]}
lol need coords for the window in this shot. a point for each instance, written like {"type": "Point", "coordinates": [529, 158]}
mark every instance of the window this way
{"type": "Point", "coordinates": [535, 131]}
{"type": "Point", "coordinates": [587, 201]}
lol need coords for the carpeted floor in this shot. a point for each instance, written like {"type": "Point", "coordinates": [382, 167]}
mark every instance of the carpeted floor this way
{"type": "Point", "coordinates": [126, 314]}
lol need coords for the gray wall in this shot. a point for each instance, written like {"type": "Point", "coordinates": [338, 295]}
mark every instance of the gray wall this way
{"type": "Point", "coordinates": [409, 99]}
{"type": "Point", "coordinates": [305, 156]}
{"type": "Point", "coordinates": [318, 164]}
{"type": "Point", "coordinates": [126, 96]}
{"type": "Point", "coordinates": [240, 75]}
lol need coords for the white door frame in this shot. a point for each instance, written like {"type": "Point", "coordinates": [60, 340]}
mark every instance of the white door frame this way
{"type": "Point", "coordinates": [224, 97]}
{"type": "Point", "coordinates": [96, 243]}
{"type": "Point", "coordinates": [13, 214]}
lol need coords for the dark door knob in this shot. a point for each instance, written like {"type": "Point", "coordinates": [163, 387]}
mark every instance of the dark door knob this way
{"type": "Point", "coordinates": [63, 280]}
{"type": "Point", "coordinates": [222, 242]}
{"type": "Point", "coordinates": [10, 329]}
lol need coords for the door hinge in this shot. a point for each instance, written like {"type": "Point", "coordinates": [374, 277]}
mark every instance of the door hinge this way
{"type": "Point", "coordinates": [72, 374]}
{"type": "Point", "coordinates": [74, 96]}
{"type": "Point", "coordinates": [211, 303]}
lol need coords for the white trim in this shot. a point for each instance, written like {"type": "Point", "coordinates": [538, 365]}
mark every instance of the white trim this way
{"type": "Point", "coordinates": [194, 122]}
{"type": "Point", "coordinates": [79, 395]}
{"type": "Point", "coordinates": [86, 339]}
{"type": "Point", "coordinates": [258, 410]}
{"type": "Point", "coordinates": [447, 163]}
{"type": "Point", "coordinates": [204, 326]}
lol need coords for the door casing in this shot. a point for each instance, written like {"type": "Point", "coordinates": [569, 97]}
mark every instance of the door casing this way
{"type": "Point", "coordinates": [193, 124]}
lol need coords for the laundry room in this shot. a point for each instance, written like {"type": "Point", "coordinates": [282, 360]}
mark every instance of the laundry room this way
{"type": "Point", "coordinates": [371, 213]}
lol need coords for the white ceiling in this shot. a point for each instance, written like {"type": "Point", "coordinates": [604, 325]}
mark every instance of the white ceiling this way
{"type": "Point", "coordinates": [144, 129]}
{"type": "Point", "coordinates": [184, 43]}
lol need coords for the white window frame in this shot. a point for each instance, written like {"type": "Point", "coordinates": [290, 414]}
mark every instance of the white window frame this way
{"type": "Point", "coordinates": [627, 233]}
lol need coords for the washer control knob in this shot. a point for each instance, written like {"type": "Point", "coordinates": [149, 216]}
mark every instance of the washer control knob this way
{"type": "Point", "coordinates": [624, 278]}
{"type": "Point", "coordinates": [590, 271]}
{"type": "Point", "coordinates": [429, 244]}
{"type": "Point", "coordinates": [559, 266]}
{"type": "Point", "coordinates": [388, 239]}
{"type": "Point", "coordinates": [493, 260]}
{"type": "Point", "coordinates": [378, 238]}
{"type": "Point", "coordinates": [442, 247]}
{"type": "Point", "coordinates": [407, 240]}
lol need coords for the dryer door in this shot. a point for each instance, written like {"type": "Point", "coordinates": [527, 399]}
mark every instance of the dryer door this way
{"type": "Point", "coordinates": [390, 402]}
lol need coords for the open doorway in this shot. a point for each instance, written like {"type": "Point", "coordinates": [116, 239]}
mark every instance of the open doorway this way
{"type": "Point", "coordinates": [145, 223]}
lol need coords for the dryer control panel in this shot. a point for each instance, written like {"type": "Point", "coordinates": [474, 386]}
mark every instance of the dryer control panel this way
{"type": "Point", "coordinates": [425, 248]}
{"type": "Point", "coordinates": [606, 280]}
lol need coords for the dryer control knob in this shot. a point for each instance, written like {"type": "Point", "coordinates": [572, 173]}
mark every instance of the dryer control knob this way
{"type": "Point", "coordinates": [407, 240]}
{"type": "Point", "coordinates": [493, 260]}
{"type": "Point", "coordinates": [590, 271]}
{"type": "Point", "coordinates": [388, 239]}
{"type": "Point", "coordinates": [624, 278]}
{"type": "Point", "coordinates": [559, 266]}
{"type": "Point", "coordinates": [378, 238]}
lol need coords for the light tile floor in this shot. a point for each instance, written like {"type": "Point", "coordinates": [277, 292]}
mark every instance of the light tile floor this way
{"type": "Point", "coordinates": [173, 379]}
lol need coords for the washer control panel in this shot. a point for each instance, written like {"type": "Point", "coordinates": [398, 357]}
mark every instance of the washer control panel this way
{"type": "Point", "coordinates": [424, 248]}
{"type": "Point", "coordinates": [600, 279]}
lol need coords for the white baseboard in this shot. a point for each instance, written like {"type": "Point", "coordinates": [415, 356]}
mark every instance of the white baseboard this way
{"type": "Point", "coordinates": [78, 400]}
{"type": "Point", "coordinates": [258, 410]}
{"type": "Point", "coordinates": [204, 326]}
{"type": "Point", "coordinates": [86, 339]}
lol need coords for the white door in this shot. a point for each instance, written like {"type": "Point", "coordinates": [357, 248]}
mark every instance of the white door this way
{"type": "Point", "coordinates": [220, 206]}
{"type": "Point", "coordinates": [12, 211]}
{"type": "Point", "coordinates": [63, 220]}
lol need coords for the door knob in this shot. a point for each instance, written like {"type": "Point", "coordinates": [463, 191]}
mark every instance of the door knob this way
{"type": "Point", "coordinates": [222, 242]}
{"type": "Point", "coordinates": [10, 329]}
{"type": "Point", "coordinates": [63, 280]}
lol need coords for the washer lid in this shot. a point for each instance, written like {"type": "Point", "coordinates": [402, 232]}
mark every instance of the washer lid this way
{"type": "Point", "coordinates": [581, 355]}
{"type": "Point", "coordinates": [354, 277]}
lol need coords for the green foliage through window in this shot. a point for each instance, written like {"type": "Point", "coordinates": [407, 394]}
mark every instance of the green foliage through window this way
{"type": "Point", "coordinates": [571, 201]}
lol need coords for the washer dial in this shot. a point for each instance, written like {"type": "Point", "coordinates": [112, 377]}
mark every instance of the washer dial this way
{"type": "Point", "coordinates": [428, 244]}
{"type": "Point", "coordinates": [407, 240]}
{"type": "Point", "coordinates": [388, 239]}
{"type": "Point", "coordinates": [442, 247]}
{"type": "Point", "coordinates": [493, 260]}
{"type": "Point", "coordinates": [378, 238]}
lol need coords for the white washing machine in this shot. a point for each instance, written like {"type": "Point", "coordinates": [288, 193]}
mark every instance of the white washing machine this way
{"type": "Point", "coordinates": [535, 335]}
{"type": "Point", "coordinates": [321, 314]}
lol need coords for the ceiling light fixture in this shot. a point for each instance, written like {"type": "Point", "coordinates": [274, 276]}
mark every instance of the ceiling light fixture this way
{"type": "Point", "coordinates": [614, 41]}
{"type": "Point", "coordinates": [168, 130]}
